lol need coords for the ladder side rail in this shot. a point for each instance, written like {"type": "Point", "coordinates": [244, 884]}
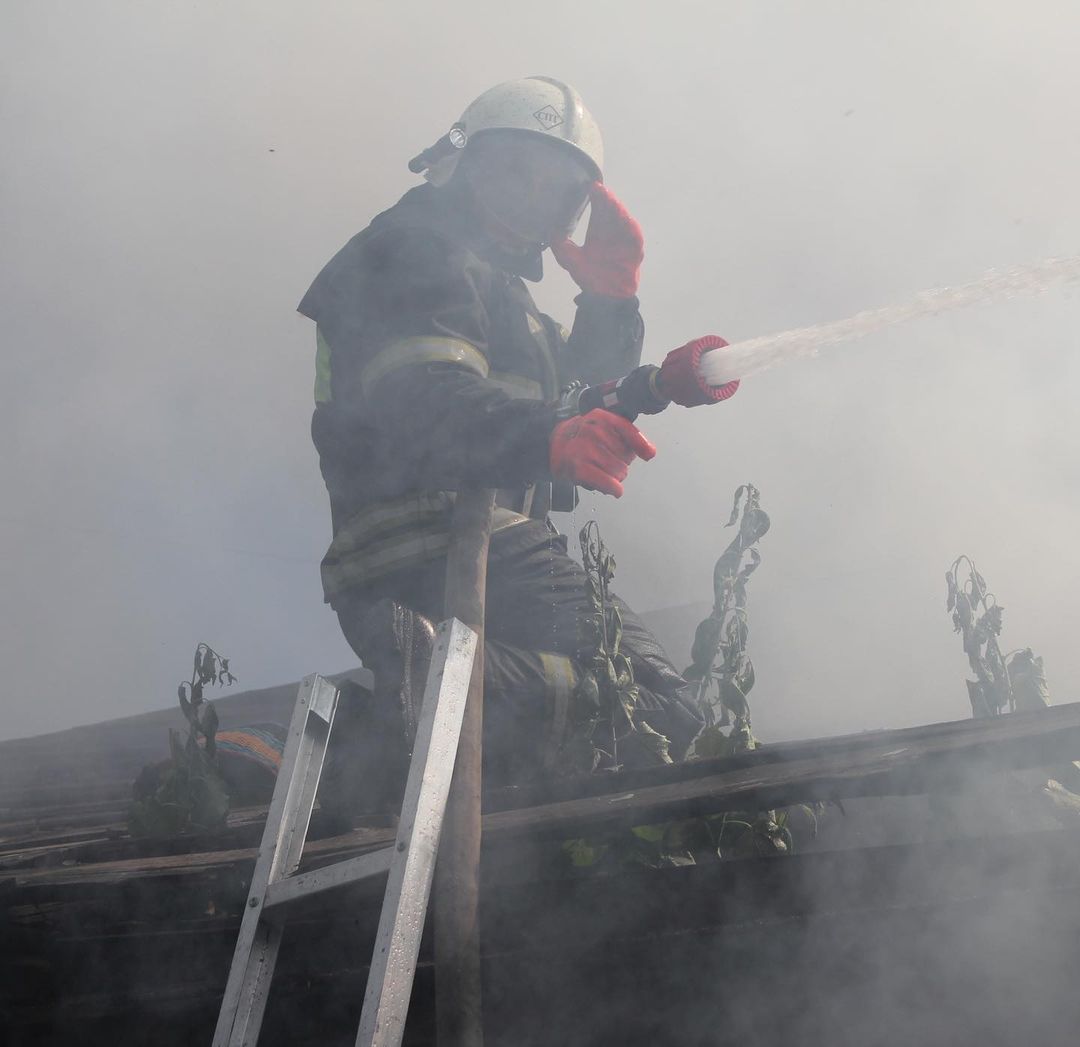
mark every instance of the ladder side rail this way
{"type": "Point", "coordinates": [401, 923]}
{"type": "Point", "coordinates": [288, 850]}
{"type": "Point", "coordinates": [279, 853]}
{"type": "Point", "coordinates": [255, 977]}
{"type": "Point", "coordinates": [300, 799]}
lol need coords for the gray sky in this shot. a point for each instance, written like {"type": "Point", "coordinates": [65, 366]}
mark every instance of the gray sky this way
{"type": "Point", "coordinates": [173, 176]}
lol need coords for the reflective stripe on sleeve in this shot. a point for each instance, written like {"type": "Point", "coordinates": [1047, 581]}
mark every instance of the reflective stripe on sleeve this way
{"type": "Point", "coordinates": [409, 352]}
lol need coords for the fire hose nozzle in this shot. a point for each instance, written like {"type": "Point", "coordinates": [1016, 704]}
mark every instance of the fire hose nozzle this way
{"type": "Point", "coordinates": [649, 389]}
{"type": "Point", "coordinates": [681, 379]}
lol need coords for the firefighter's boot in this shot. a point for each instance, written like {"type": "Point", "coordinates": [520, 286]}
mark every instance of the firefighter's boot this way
{"type": "Point", "coordinates": [370, 747]}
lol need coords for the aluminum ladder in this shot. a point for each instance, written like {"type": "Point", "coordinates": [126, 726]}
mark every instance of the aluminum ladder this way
{"type": "Point", "coordinates": [409, 863]}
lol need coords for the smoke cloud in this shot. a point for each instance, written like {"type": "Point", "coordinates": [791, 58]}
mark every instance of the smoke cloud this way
{"type": "Point", "coordinates": [175, 175]}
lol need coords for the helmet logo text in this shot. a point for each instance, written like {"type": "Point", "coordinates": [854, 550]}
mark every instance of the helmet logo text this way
{"type": "Point", "coordinates": [548, 118]}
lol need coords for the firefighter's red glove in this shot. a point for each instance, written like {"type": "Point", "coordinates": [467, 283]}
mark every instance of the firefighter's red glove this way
{"type": "Point", "coordinates": [680, 377]}
{"type": "Point", "coordinates": [609, 262]}
{"type": "Point", "coordinates": [596, 450]}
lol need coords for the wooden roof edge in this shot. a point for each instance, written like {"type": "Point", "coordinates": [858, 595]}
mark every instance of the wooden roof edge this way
{"type": "Point", "coordinates": [942, 757]}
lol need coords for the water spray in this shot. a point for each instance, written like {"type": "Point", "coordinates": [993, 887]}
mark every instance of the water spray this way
{"type": "Point", "coordinates": [757, 354]}
{"type": "Point", "coordinates": [708, 369]}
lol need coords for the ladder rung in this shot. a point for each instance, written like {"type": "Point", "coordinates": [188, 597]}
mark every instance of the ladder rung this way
{"type": "Point", "coordinates": [315, 881]}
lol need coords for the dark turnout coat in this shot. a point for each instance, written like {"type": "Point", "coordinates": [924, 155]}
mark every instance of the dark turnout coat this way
{"type": "Point", "coordinates": [435, 370]}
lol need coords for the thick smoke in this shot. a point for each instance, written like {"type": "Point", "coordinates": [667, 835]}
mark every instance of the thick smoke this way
{"type": "Point", "coordinates": [173, 177]}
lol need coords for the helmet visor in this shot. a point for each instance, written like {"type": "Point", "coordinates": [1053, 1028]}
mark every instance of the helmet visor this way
{"type": "Point", "coordinates": [536, 187]}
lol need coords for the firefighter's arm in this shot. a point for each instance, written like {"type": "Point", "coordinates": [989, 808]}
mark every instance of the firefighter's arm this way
{"type": "Point", "coordinates": [608, 331]}
{"type": "Point", "coordinates": [461, 432]}
{"type": "Point", "coordinates": [605, 342]}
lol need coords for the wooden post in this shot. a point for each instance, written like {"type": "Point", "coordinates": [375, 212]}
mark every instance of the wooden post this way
{"type": "Point", "coordinates": [457, 874]}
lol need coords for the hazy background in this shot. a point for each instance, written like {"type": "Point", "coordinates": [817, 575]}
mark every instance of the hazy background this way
{"type": "Point", "coordinates": [172, 176]}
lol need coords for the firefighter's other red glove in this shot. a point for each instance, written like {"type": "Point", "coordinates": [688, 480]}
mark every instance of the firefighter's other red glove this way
{"type": "Point", "coordinates": [596, 450]}
{"type": "Point", "coordinates": [680, 377]}
{"type": "Point", "coordinates": [609, 262]}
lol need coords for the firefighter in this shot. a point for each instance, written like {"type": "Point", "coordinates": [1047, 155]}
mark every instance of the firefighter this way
{"type": "Point", "coordinates": [436, 371]}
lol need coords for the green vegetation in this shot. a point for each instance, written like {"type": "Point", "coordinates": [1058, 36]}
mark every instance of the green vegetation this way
{"type": "Point", "coordinates": [186, 793]}
{"type": "Point", "coordinates": [603, 712]}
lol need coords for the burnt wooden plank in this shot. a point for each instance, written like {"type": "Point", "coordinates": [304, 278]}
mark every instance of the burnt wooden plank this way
{"type": "Point", "coordinates": [942, 758]}
{"type": "Point", "coordinates": [105, 872]}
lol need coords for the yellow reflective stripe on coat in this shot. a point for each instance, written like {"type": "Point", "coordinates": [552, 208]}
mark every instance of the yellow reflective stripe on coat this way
{"type": "Point", "coordinates": [365, 565]}
{"type": "Point", "coordinates": [409, 352]}
{"type": "Point", "coordinates": [560, 679]}
{"type": "Point", "coordinates": [385, 517]}
{"type": "Point", "coordinates": [391, 535]}
{"type": "Point", "coordinates": [322, 368]}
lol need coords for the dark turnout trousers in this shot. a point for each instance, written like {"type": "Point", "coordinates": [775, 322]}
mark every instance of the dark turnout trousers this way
{"type": "Point", "coordinates": [535, 598]}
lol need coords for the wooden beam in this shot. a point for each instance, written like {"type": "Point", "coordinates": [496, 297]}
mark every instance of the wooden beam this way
{"type": "Point", "coordinates": [457, 874]}
{"type": "Point", "coordinates": [940, 758]}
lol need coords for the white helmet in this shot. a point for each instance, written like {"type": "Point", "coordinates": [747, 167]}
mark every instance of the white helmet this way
{"type": "Point", "coordinates": [539, 105]}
